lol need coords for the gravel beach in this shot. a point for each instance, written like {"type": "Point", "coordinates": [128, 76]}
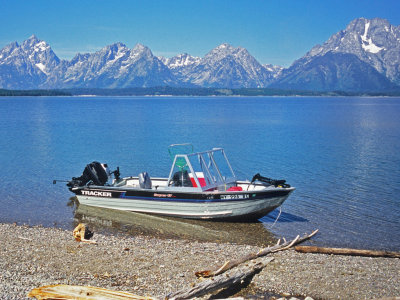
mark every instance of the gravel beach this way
{"type": "Point", "coordinates": [148, 266]}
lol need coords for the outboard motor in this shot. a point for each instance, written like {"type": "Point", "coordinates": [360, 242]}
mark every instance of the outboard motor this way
{"type": "Point", "coordinates": [95, 173]}
{"type": "Point", "coordinates": [269, 181]}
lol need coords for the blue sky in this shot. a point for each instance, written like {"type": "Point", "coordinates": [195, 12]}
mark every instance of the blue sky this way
{"type": "Point", "coordinates": [276, 32]}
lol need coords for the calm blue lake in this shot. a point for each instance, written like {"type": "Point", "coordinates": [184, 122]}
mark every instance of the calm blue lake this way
{"type": "Point", "coordinates": [342, 154]}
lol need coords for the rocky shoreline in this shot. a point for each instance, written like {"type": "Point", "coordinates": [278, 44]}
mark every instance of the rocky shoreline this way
{"type": "Point", "coordinates": [147, 266]}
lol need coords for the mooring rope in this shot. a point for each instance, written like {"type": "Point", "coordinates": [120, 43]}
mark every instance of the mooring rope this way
{"type": "Point", "coordinates": [276, 220]}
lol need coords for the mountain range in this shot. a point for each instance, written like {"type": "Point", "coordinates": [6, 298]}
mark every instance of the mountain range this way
{"type": "Point", "coordinates": [364, 57]}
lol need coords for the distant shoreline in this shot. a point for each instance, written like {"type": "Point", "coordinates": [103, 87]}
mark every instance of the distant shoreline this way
{"type": "Point", "coordinates": [188, 92]}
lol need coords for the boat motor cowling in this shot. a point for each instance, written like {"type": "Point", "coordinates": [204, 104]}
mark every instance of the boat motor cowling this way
{"type": "Point", "coordinates": [269, 181]}
{"type": "Point", "coordinates": [94, 173]}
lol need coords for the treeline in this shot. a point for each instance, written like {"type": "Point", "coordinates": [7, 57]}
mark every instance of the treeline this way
{"type": "Point", "coordinates": [33, 93]}
{"type": "Point", "coordinates": [193, 91]}
{"type": "Point", "coordinates": [186, 91]}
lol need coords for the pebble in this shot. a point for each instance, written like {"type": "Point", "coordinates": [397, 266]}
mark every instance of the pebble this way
{"type": "Point", "coordinates": [35, 256]}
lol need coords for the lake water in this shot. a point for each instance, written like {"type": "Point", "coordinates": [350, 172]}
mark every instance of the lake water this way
{"type": "Point", "coordinates": [342, 155]}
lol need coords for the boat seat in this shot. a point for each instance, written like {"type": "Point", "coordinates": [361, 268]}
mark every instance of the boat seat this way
{"type": "Point", "coordinates": [144, 180]}
{"type": "Point", "coordinates": [200, 177]}
{"type": "Point", "coordinates": [235, 189]}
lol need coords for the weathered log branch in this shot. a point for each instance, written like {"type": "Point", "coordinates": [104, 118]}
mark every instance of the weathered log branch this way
{"type": "Point", "coordinates": [346, 251]}
{"type": "Point", "coordinates": [219, 282]}
{"type": "Point", "coordinates": [63, 291]}
{"type": "Point", "coordinates": [233, 263]}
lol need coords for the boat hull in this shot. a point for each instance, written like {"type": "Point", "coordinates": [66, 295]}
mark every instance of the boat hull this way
{"type": "Point", "coordinates": [221, 205]}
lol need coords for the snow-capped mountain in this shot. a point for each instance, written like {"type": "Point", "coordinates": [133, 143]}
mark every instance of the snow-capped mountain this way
{"type": "Point", "coordinates": [27, 65]}
{"type": "Point", "coordinates": [334, 72]}
{"type": "Point", "coordinates": [374, 41]}
{"type": "Point", "coordinates": [226, 66]}
{"type": "Point", "coordinates": [40, 54]}
{"type": "Point", "coordinates": [363, 57]}
{"type": "Point", "coordinates": [86, 69]}
{"type": "Point", "coordinates": [116, 66]}
{"type": "Point", "coordinates": [34, 65]}
{"type": "Point", "coordinates": [369, 43]}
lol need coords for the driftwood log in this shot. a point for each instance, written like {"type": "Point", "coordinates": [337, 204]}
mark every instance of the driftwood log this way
{"type": "Point", "coordinates": [219, 282]}
{"type": "Point", "coordinates": [346, 251]}
{"type": "Point", "coordinates": [63, 291]}
{"type": "Point", "coordinates": [233, 263]}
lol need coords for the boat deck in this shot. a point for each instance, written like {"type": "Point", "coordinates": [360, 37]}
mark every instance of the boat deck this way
{"type": "Point", "coordinates": [158, 183]}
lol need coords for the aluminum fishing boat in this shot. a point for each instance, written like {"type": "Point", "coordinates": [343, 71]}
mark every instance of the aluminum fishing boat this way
{"type": "Point", "coordinates": [200, 185]}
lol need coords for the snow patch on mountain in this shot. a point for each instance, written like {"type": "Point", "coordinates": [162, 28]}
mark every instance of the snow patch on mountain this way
{"type": "Point", "coordinates": [367, 44]}
{"type": "Point", "coordinates": [274, 69]}
{"type": "Point", "coordinates": [180, 60]}
{"type": "Point", "coordinates": [41, 68]}
{"type": "Point", "coordinates": [41, 46]}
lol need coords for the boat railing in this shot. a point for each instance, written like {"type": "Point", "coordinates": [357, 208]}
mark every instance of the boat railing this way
{"type": "Point", "coordinates": [213, 165]}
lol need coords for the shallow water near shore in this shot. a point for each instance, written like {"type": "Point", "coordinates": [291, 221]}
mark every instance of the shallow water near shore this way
{"type": "Point", "coordinates": [113, 221]}
{"type": "Point", "coordinates": [341, 154]}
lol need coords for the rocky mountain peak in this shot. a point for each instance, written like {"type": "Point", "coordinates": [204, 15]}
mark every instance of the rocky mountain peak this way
{"type": "Point", "coordinates": [224, 47]}
{"type": "Point", "coordinates": [365, 46]}
{"type": "Point", "coordinates": [180, 61]}
{"type": "Point", "coordinates": [6, 52]}
{"type": "Point", "coordinates": [33, 56]}
{"type": "Point", "coordinates": [362, 37]}
{"type": "Point", "coordinates": [34, 44]}
{"type": "Point", "coordinates": [220, 51]}
{"type": "Point", "coordinates": [80, 58]}
{"type": "Point", "coordinates": [364, 54]}
{"type": "Point", "coordinates": [374, 41]}
{"type": "Point", "coordinates": [116, 47]}
{"type": "Point", "coordinates": [141, 48]}
{"type": "Point", "coordinates": [227, 66]}
{"type": "Point", "coordinates": [32, 40]}
{"type": "Point", "coordinates": [113, 52]}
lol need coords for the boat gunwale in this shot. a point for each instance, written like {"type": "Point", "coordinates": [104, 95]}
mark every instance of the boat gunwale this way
{"type": "Point", "coordinates": [183, 191]}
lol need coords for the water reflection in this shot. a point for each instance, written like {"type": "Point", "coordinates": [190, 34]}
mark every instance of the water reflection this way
{"type": "Point", "coordinates": [110, 220]}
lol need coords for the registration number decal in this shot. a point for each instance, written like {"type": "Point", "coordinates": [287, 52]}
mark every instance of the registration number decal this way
{"type": "Point", "coordinates": [236, 196]}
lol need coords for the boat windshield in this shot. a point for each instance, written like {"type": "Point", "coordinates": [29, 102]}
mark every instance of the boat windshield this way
{"type": "Point", "coordinates": [206, 170]}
